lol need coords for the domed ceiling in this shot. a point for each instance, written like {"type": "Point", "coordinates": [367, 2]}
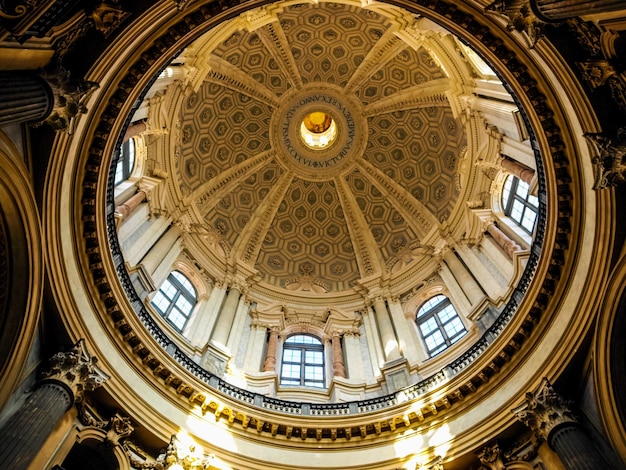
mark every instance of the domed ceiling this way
{"type": "Point", "coordinates": [317, 218]}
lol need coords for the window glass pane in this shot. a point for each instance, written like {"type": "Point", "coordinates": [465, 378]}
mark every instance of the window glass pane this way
{"type": "Point", "coordinates": [522, 189]}
{"type": "Point", "coordinates": [292, 355]}
{"type": "Point", "coordinates": [314, 384]}
{"type": "Point", "coordinates": [434, 340]}
{"type": "Point", "coordinates": [177, 318]}
{"type": "Point", "coordinates": [453, 327]}
{"type": "Point", "coordinates": [314, 357]}
{"type": "Point", "coordinates": [184, 305]}
{"type": "Point", "coordinates": [430, 304]}
{"type": "Point", "coordinates": [506, 191]}
{"type": "Point", "coordinates": [161, 302]}
{"type": "Point", "coordinates": [185, 283]}
{"type": "Point", "coordinates": [447, 313]}
{"type": "Point", "coordinates": [516, 211]}
{"type": "Point", "coordinates": [291, 371]}
{"type": "Point", "coordinates": [303, 339]}
{"type": "Point", "coordinates": [313, 373]}
{"type": "Point", "coordinates": [528, 221]}
{"type": "Point", "coordinates": [428, 326]}
{"type": "Point", "coordinates": [533, 200]}
{"type": "Point", "coordinates": [168, 289]}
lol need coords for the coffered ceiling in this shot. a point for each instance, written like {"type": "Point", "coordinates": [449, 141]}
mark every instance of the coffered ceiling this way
{"type": "Point", "coordinates": [313, 220]}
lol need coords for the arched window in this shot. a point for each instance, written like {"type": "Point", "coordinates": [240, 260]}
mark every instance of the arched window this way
{"type": "Point", "coordinates": [175, 300]}
{"type": "Point", "coordinates": [439, 324]}
{"type": "Point", "coordinates": [303, 361]}
{"type": "Point", "coordinates": [519, 204]}
{"type": "Point", "coordinates": [126, 162]}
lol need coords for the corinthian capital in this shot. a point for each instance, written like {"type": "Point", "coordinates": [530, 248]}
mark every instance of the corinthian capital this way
{"type": "Point", "coordinates": [76, 369]}
{"type": "Point", "coordinates": [544, 410]}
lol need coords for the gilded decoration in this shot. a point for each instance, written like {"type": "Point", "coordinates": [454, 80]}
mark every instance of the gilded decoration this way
{"type": "Point", "coordinates": [367, 256]}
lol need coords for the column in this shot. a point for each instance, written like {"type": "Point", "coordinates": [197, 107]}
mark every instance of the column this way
{"type": "Point", "coordinates": [270, 358]}
{"type": "Point", "coordinates": [199, 328]}
{"type": "Point", "coordinates": [254, 352]}
{"type": "Point", "coordinates": [226, 316]}
{"type": "Point", "coordinates": [338, 368]}
{"type": "Point", "coordinates": [508, 245]}
{"type": "Point", "coordinates": [467, 282]}
{"type": "Point", "coordinates": [555, 10]}
{"type": "Point", "coordinates": [159, 251]}
{"type": "Point", "coordinates": [551, 419]}
{"type": "Point", "coordinates": [352, 345]}
{"type": "Point", "coordinates": [521, 171]}
{"type": "Point", "coordinates": [24, 97]}
{"type": "Point", "coordinates": [127, 207]}
{"type": "Point", "coordinates": [69, 375]}
{"type": "Point", "coordinates": [407, 332]}
{"type": "Point", "coordinates": [374, 347]}
{"type": "Point", "coordinates": [387, 334]}
{"type": "Point", "coordinates": [135, 129]}
{"type": "Point", "coordinates": [486, 279]}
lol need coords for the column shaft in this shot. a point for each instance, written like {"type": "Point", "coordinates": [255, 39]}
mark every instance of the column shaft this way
{"type": "Point", "coordinates": [338, 367]}
{"type": "Point", "coordinates": [126, 208]}
{"type": "Point", "coordinates": [25, 432]}
{"type": "Point", "coordinates": [160, 249]}
{"type": "Point", "coordinates": [515, 168]}
{"type": "Point", "coordinates": [24, 97]}
{"type": "Point", "coordinates": [508, 245]}
{"type": "Point", "coordinates": [270, 358]}
{"type": "Point", "coordinates": [574, 449]}
{"type": "Point", "coordinates": [226, 317]}
{"type": "Point", "coordinates": [388, 336]}
{"type": "Point", "coordinates": [467, 282]}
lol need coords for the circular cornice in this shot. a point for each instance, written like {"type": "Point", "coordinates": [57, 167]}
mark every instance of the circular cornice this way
{"type": "Point", "coordinates": [521, 73]}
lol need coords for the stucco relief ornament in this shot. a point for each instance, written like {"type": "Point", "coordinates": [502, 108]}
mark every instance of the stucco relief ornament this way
{"type": "Point", "coordinates": [544, 410]}
{"type": "Point", "coordinates": [491, 458]}
{"type": "Point", "coordinates": [182, 457]}
{"type": "Point", "coordinates": [76, 369]}
{"type": "Point", "coordinates": [610, 162]}
{"type": "Point", "coordinates": [520, 18]}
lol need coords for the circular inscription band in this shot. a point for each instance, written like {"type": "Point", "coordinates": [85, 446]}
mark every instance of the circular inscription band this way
{"type": "Point", "coordinates": [318, 132]}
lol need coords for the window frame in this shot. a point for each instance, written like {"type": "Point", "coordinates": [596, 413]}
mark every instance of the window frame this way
{"type": "Point", "coordinates": [181, 292]}
{"type": "Point", "coordinates": [127, 161]}
{"type": "Point", "coordinates": [432, 312]}
{"type": "Point", "coordinates": [515, 196]}
{"type": "Point", "coordinates": [303, 364]}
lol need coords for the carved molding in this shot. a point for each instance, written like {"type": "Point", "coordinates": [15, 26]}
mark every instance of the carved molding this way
{"type": "Point", "coordinates": [76, 369]}
{"type": "Point", "coordinates": [544, 410]}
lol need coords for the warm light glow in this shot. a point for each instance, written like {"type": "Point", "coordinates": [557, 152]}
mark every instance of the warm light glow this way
{"type": "Point", "coordinates": [318, 130]}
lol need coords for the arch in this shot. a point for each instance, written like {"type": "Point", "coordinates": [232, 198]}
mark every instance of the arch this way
{"type": "Point", "coordinates": [21, 258]}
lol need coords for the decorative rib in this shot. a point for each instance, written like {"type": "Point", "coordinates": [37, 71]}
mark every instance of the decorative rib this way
{"type": "Point", "coordinates": [368, 257]}
{"type": "Point", "coordinates": [249, 243]}
{"type": "Point", "coordinates": [210, 193]}
{"type": "Point", "coordinates": [421, 219]}
{"type": "Point", "coordinates": [385, 50]}
{"type": "Point", "coordinates": [225, 74]}
{"type": "Point", "coordinates": [274, 39]}
{"type": "Point", "coordinates": [428, 95]}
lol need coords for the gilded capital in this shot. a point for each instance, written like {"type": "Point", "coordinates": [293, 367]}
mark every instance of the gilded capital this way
{"type": "Point", "coordinates": [544, 410]}
{"type": "Point", "coordinates": [76, 369]}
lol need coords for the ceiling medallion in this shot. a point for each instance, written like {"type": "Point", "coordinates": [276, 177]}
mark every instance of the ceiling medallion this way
{"type": "Point", "coordinates": [318, 132]}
